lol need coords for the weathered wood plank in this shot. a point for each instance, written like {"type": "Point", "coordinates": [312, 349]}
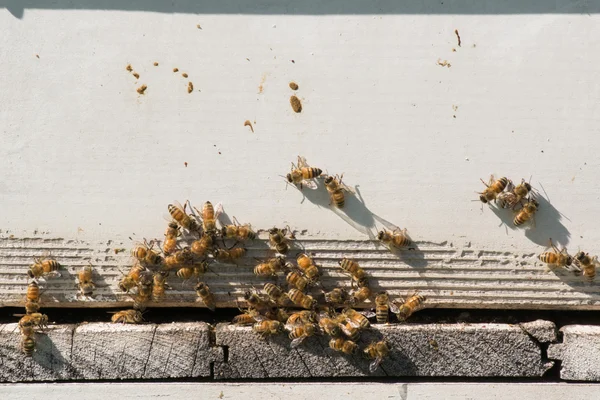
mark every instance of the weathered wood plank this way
{"type": "Point", "coordinates": [450, 275]}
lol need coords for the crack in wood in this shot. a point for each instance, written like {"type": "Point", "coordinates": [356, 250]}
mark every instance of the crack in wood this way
{"type": "Point", "coordinates": [149, 350]}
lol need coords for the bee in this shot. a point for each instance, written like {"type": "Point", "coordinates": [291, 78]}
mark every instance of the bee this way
{"type": "Point", "coordinates": [350, 331]}
{"type": "Point", "coordinates": [410, 306]}
{"type": "Point", "coordinates": [185, 272]}
{"type": "Point", "coordinates": [238, 232]}
{"type": "Point", "coordinates": [513, 195]}
{"type": "Point", "coordinates": [209, 217]}
{"type": "Point", "coordinates": [249, 317]}
{"type": "Point", "coordinates": [382, 307]}
{"type": "Point", "coordinates": [337, 297]}
{"type": "Point", "coordinates": [170, 242]}
{"type": "Point", "coordinates": [270, 267]}
{"type": "Point", "coordinates": [588, 265]}
{"type": "Point", "coordinates": [345, 346]}
{"type": "Point", "coordinates": [279, 240]}
{"type": "Point", "coordinates": [144, 254]}
{"type": "Point", "coordinates": [301, 299]}
{"type": "Point", "coordinates": [127, 317]}
{"type": "Point", "coordinates": [296, 280]}
{"type": "Point", "coordinates": [34, 319]}
{"type": "Point", "coordinates": [358, 274]}
{"type": "Point", "coordinates": [27, 345]}
{"type": "Point", "coordinates": [308, 267]}
{"type": "Point", "coordinates": [302, 172]}
{"type": "Point", "coordinates": [255, 301]}
{"type": "Point", "coordinates": [267, 327]}
{"type": "Point", "coordinates": [361, 294]}
{"type": "Point", "coordinates": [201, 246]}
{"type": "Point", "coordinates": [329, 325]}
{"type": "Point", "coordinates": [275, 293]}
{"type": "Point", "coordinates": [493, 189]}
{"type": "Point", "coordinates": [179, 258]}
{"type": "Point", "coordinates": [130, 280]}
{"type": "Point", "coordinates": [204, 294]}
{"type": "Point", "coordinates": [159, 285]}
{"type": "Point", "coordinates": [356, 319]}
{"type": "Point", "coordinates": [33, 292]}
{"type": "Point", "coordinates": [278, 314]}
{"type": "Point", "coordinates": [178, 214]}
{"type": "Point", "coordinates": [396, 238]}
{"type": "Point", "coordinates": [301, 317]}
{"type": "Point", "coordinates": [86, 284]}
{"type": "Point", "coordinates": [527, 212]}
{"type": "Point", "coordinates": [556, 258]}
{"type": "Point", "coordinates": [299, 333]}
{"type": "Point", "coordinates": [223, 255]}
{"type": "Point", "coordinates": [145, 289]}
{"type": "Point", "coordinates": [336, 190]}
{"type": "Point", "coordinates": [32, 307]}
{"type": "Point", "coordinates": [42, 267]}
{"type": "Point", "coordinates": [376, 351]}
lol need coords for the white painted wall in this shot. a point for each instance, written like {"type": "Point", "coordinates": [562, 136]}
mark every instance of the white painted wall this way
{"type": "Point", "coordinates": [83, 155]}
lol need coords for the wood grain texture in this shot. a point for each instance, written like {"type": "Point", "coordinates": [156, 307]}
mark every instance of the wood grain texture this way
{"type": "Point", "coordinates": [450, 275]}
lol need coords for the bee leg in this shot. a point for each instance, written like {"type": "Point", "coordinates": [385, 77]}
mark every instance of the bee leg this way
{"type": "Point", "coordinates": [484, 182]}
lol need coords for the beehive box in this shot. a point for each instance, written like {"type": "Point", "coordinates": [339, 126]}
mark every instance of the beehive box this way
{"type": "Point", "coordinates": [412, 104]}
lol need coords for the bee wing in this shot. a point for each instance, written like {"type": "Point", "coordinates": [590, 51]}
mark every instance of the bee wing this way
{"type": "Point", "coordinates": [368, 314]}
{"type": "Point", "coordinates": [302, 162]}
{"type": "Point", "coordinates": [394, 308]}
{"type": "Point", "coordinates": [375, 364]}
{"type": "Point", "coordinates": [345, 330]}
{"type": "Point", "coordinates": [296, 342]}
{"type": "Point", "coordinates": [218, 210]}
{"type": "Point", "coordinates": [177, 204]}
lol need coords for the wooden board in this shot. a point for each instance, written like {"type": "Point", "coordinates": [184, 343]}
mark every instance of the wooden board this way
{"type": "Point", "coordinates": [450, 275]}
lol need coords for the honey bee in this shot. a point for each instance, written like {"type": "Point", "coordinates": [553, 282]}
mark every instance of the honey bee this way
{"type": "Point", "coordinates": [493, 189]}
{"type": "Point", "coordinates": [179, 258]}
{"type": "Point", "coordinates": [185, 272]}
{"type": "Point", "coordinates": [337, 297]}
{"type": "Point", "coordinates": [345, 346]}
{"type": "Point", "coordinates": [302, 172]}
{"type": "Point", "coordinates": [361, 294]}
{"type": "Point", "coordinates": [32, 307]}
{"type": "Point", "coordinates": [356, 319]}
{"type": "Point", "coordinates": [409, 307]}
{"type": "Point", "coordinates": [336, 190]}
{"type": "Point", "coordinates": [527, 212]}
{"type": "Point", "coordinates": [301, 299]}
{"type": "Point", "coordinates": [247, 318]}
{"type": "Point", "coordinates": [204, 294]}
{"type": "Point", "coordinates": [201, 246]}
{"type": "Point", "coordinates": [275, 293]}
{"type": "Point", "coordinates": [159, 285]}
{"type": "Point", "coordinates": [86, 284]}
{"type": "Point", "coordinates": [587, 264]}
{"type": "Point", "coordinates": [301, 317]}
{"type": "Point", "coordinates": [279, 240]}
{"type": "Point", "coordinates": [376, 351]}
{"type": "Point", "coordinates": [223, 255]}
{"type": "Point", "coordinates": [513, 195]}
{"type": "Point", "coordinates": [278, 314]}
{"type": "Point", "coordinates": [350, 331]}
{"type": "Point", "coordinates": [394, 239]}
{"type": "Point", "coordinates": [267, 327]}
{"type": "Point", "coordinates": [358, 274]}
{"type": "Point", "coordinates": [209, 217]}
{"type": "Point", "coordinates": [255, 300]}
{"type": "Point", "coordinates": [556, 258]}
{"type": "Point", "coordinates": [296, 280]}
{"type": "Point", "coordinates": [144, 254]}
{"type": "Point", "coordinates": [270, 267]}
{"type": "Point", "coordinates": [33, 293]}
{"type": "Point", "coordinates": [130, 280]}
{"type": "Point", "coordinates": [299, 333]}
{"type": "Point", "coordinates": [308, 267]}
{"type": "Point", "coordinates": [170, 242]}
{"type": "Point", "coordinates": [127, 317]}
{"type": "Point", "coordinates": [382, 307]}
{"type": "Point", "coordinates": [43, 267]}
{"type": "Point", "coordinates": [238, 232]}
{"type": "Point", "coordinates": [181, 217]}
{"type": "Point", "coordinates": [145, 289]}
{"type": "Point", "coordinates": [33, 320]}
{"type": "Point", "coordinates": [330, 325]}
{"type": "Point", "coordinates": [27, 345]}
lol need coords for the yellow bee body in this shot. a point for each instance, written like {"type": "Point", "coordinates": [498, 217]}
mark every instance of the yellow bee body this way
{"type": "Point", "coordinates": [204, 293]}
{"type": "Point", "coordinates": [376, 351]}
{"type": "Point", "coordinates": [330, 326]}
{"type": "Point", "coordinates": [33, 292]}
{"type": "Point", "coordinates": [178, 214]}
{"type": "Point", "coordinates": [300, 299]}
{"type": "Point", "coordinates": [279, 240]}
{"type": "Point", "coordinates": [345, 346]}
{"type": "Point", "coordinates": [232, 255]}
{"type": "Point", "coordinates": [308, 267]}
{"type": "Point", "coordinates": [352, 267]}
{"type": "Point", "coordinates": [556, 258]}
{"type": "Point", "coordinates": [336, 191]}
{"type": "Point", "coordinates": [127, 317]}
{"type": "Point", "coordinates": [588, 265]}
{"type": "Point", "coordinates": [209, 222]}
{"type": "Point", "coordinates": [270, 267]}
{"type": "Point", "coordinates": [267, 327]}
{"type": "Point", "coordinates": [275, 293]}
{"type": "Point", "coordinates": [159, 285]}
{"type": "Point", "coordinates": [202, 246]}
{"type": "Point", "coordinates": [382, 307]}
{"type": "Point", "coordinates": [86, 284]}
{"type": "Point", "coordinates": [247, 318]}
{"type": "Point", "coordinates": [337, 297]}
{"type": "Point", "coordinates": [299, 333]}
{"type": "Point", "coordinates": [356, 319]}
{"type": "Point", "coordinates": [170, 243]}
{"type": "Point", "coordinates": [409, 307]}
{"type": "Point", "coordinates": [296, 280]}
{"type": "Point", "coordinates": [397, 238]}
{"type": "Point", "coordinates": [493, 189]}
{"type": "Point", "coordinates": [526, 213]}
{"type": "Point", "coordinates": [42, 267]}
{"type": "Point", "coordinates": [359, 295]}
{"type": "Point", "coordinates": [27, 345]}
{"type": "Point", "coordinates": [301, 317]}
{"type": "Point", "coordinates": [238, 232]}
{"type": "Point", "coordinates": [302, 172]}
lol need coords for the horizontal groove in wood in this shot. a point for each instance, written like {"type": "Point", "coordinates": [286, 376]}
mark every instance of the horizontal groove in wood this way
{"type": "Point", "coordinates": [449, 275]}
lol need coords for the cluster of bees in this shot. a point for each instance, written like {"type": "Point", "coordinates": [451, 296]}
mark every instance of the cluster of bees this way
{"type": "Point", "coordinates": [508, 196]}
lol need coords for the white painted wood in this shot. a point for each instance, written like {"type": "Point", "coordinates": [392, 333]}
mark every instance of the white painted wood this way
{"type": "Point", "coordinates": [85, 158]}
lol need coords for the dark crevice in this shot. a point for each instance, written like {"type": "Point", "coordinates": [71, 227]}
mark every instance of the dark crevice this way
{"type": "Point", "coordinates": [225, 353]}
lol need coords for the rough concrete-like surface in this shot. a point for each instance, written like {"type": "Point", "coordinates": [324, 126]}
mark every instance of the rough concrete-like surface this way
{"type": "Point", "coordinates": [543, 331]}
{"type": "Point", "coordinates": [579, 352]}
{"type": "Point", "coordinates": [469, 350]}
{"type": "Point", "coordinates": [50, 361]}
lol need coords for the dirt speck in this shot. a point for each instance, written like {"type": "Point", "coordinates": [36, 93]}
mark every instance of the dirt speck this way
{"type": "Point", "coordinates": [199, 27]}
{"type": "Point", "coordinates": [247, 59]}
{"type": "Point", "coordinates": [221, 395]}
{"type": "Point", "coordinates": [248, 123]}
{"type": "Point", "coordinates": [185, 163]}
{"type": "Point", "coordinates": [262, 83]}
{"type": "Point", "coordinates": [293, 86]}
{"type": "Point", "coordinates": [444, 63]}
{"type": "Point", "coordinates": [137, 76]}
{"type": "Point", "coordinates": [457, 36]}
{"type": "Point", "coordinates": [190, 87]}
{"type": "Point", "coordinates": [185, 75]}
{"type": "Point", "coordinates": [296, 104]}
{"type": "Point", "coordinates": [142, 89]}
{"type": "Point", "coordinates": [129, 68]}
{"type": "Point", "coordinates": [175, 69]}
{"type": "Point", "coordinates": [119, 250]}
{"type": "Point", "coordinates": [155, 64]}
{"type": "Point", "coordinates": [453, 50]}
{"type": "Point", "coordinates": [37, 55]}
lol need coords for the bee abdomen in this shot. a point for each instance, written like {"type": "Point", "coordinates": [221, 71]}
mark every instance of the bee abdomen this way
{"type": "Point", "coordinates": [520, 219]}
{"type": "Point", "coordinates": [547, 258]}
{"type": "Point", "coordinates": [338, 198]}
{"type": "Point", "coordinates": [382, 315]}
{"type": "Point", "coordinates": [28, 346]}
{"type": "Point", "coordinates": [310, 173]}
{"type": "Point", "coordinates": [282, 248]}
